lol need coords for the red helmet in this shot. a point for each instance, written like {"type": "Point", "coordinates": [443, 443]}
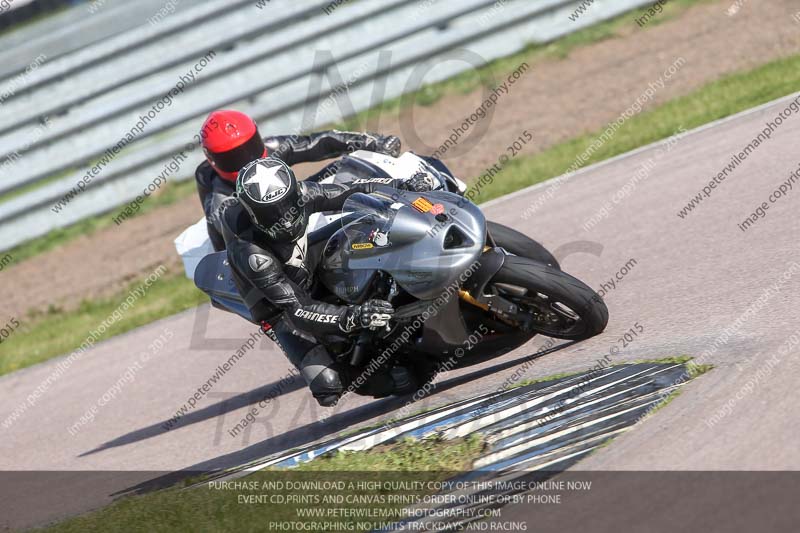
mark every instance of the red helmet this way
{"type": "Point", "coordinates": [231, 140]}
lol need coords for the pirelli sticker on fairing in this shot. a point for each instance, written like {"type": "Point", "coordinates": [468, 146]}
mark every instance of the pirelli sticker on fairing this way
{"type": "Point", "coordinates": [362, 245]}
{"type": "Point", "coordinates": [423, 205]}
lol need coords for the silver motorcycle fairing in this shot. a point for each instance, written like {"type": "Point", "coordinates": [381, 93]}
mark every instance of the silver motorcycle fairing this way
{"type": "Point", "coordinates": [416, 253]}
{"type": "Point", "coordinates": [367, 165]}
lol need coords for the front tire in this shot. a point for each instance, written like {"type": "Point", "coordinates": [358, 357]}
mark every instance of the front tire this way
{"type": "Point", "coordinates": [520, 244]}
{"type": "Point", "coordinates": [565, 307]}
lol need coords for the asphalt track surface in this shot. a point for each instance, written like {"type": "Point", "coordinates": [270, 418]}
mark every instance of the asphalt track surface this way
{"type": "Point", "coordinates": [694, 278]}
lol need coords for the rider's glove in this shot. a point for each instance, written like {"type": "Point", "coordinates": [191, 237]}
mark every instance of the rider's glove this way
{"type": "Point", "coordinates": [388, 144]}
{"type": "Point", "coordinates": [372, 314]}
{"type": "Point", "coordinates": [419, 182]}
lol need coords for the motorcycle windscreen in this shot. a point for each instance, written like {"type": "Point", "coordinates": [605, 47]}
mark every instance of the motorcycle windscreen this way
{"type": "Point", "coordinates": [377, 206]}
{"type": "Point", "coordinates": [366, 230]}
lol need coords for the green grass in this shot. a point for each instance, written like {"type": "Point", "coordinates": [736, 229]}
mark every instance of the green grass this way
{"type": "Point", "coordinates": [696, 370]}
{"type": "Point", "coordinates": [210, 510]}
{"type": "Point", "coordinates": [719, 99]}
{"type": "Point", "coordinates": [44, 335]}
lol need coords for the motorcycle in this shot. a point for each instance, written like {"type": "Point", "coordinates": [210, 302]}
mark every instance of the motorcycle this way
{"type": "Point", "coordinates": [460, 297]}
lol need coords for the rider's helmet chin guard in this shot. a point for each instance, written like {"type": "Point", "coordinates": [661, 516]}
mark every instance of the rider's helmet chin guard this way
{"type": "Point", "coordinates": [267, 189]}
{"type": "Point", "coordinates": [231, 140]}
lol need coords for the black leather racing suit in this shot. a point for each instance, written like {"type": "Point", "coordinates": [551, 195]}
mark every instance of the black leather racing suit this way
{"type": "Point", "coordinates": [280, 292]}
{"type": "Point", "coordinates": [292, 149]}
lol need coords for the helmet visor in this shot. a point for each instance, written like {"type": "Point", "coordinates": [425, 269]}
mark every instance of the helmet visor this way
{"type": "Point", "coordinates": [233, 160]}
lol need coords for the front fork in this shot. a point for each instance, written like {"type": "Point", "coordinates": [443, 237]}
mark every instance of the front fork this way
{"type": "Point", "coordinates": [474, 291]}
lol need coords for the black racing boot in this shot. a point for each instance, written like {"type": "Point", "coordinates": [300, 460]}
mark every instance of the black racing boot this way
{"type": "Point", "coordinates": [312, 360]}
{"type": "Point", "coordinates": [387, 382]}
{"type": "Point", "coordinates": [404, 382]}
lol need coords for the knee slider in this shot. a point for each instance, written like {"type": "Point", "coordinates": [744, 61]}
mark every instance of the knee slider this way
{"type": "Point", "coordinates": [319, 372]}
{"type": "Point", "coordinates": [327, 382]}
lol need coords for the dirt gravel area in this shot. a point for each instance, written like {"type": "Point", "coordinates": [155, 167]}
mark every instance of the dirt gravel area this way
{"type": "Point", "coordinates": [555, 100]}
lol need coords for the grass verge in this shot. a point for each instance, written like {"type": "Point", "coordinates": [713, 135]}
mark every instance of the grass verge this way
{"type": "Point", "coordinates": [220, 509]}
{"type": "Point", "coordinates": [719, 99]}
{"type": "Point", "coordinates": [44, 335]}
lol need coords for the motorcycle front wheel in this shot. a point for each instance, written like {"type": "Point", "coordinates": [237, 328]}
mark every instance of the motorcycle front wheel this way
{"type": "Point", "coordinates": [520, 244]}
{"type": "Point", "coordinates": [560, 305]}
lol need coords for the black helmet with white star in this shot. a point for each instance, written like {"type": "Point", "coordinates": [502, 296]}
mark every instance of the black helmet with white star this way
{"type": "Point", "coordinates": [267, 188]}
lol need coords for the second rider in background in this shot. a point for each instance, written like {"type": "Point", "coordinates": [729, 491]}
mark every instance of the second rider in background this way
{"type": "Point", "coordinates": [231, 140]}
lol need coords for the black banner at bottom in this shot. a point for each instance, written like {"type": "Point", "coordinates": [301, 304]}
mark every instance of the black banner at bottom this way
{"type": "Point", "coordinates": [331, 502]}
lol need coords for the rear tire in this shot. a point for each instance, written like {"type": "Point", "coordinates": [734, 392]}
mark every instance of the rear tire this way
{"type": "Point", "coordinates": [559, 287]}
{"type": "Point", "coordinates": [520, 244]}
